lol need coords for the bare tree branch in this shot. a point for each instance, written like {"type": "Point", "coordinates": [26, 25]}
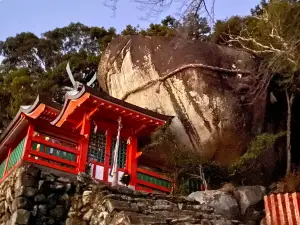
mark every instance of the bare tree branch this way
{"type": "Point", "coordinates": [154, 8]}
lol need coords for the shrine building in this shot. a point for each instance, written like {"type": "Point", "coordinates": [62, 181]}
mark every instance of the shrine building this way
{"type": "Point", "coordinates": [83, 132]}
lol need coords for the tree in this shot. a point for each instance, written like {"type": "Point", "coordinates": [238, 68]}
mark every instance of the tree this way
{"type": "Point", "coordinates": [275, 39]}
{"type": "Point", "coordinates": [130, 30]}
{"type": "Point", "coordinates": [154, 8]}
{"type": "Point", "coordinates": [196, 27]}
{"type": "Point", "coordinates": [36, 65]}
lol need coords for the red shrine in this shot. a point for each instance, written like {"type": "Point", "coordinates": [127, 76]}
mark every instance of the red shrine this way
{"type": "Point", "coordinates": [84, 132]}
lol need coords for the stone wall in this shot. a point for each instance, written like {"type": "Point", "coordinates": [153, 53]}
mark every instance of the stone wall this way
{"type": "Point", "coordinates": [33, 196]}
{"type": "Point", "coordinates": [105, 205]}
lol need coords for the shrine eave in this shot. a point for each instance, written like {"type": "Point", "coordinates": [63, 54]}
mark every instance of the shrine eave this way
{"type": "Point", "coordinates": [42, 108]}
{"type": "Point", "coordinates": [101, 99]}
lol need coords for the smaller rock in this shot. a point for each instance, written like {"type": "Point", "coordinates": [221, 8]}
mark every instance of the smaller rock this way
{"type": "Point", "coordinates": [52, 200]}
{"type": "Point", "coordinates": [34, 211]}
{"type": "Point", "coordinates": [39, 198]}
{"type": "Point", "coordinates": [223, 203]}
{"type": "Point", "coordinates": [47, 176]}
{"type": "Point", "coordinates": [50, 221]}
{"type": "Point", "coordinates": [32, 170]}
{"type": "Point", "coordinates": [58, 187]}
{"type": "Point", "coordinates": [83, 177]}
{"type": "Point", "coordinates": [2, 208]}
{"type": "Point", "coordinates": [250, 196]}
{"type": "Point", "coordinates": [86, 197]}
{"type": "Point", "coordinates": [21, 217]}
{"type": "Point", "coordinates": [64, 180]}
{"type": "Point", "coordinates": [26, 180]}
{"type": "Point", "coordinates": [20, 203]}
{"type": "Point", "coordinates": [9, 196]}
{"type": "Point", "coordinates": [44, 187]}
{"type": "Point", "coordinates": [58, 212]}
{"type": "Point", "coordinates": [26, 192]}
{"type": "Point", "coordinates": [68, 187]}
{"type": "Point", "coordinates": [42, 210]}
{"type": "Point", "coordinates": [87, 216]}
{"type": "Point", "coordinates": [75, 221]}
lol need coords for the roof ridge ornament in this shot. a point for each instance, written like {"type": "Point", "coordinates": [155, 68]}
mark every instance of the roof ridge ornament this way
{"type": "Point", "coordinates": [92, 80]}
{"type": "Point", "coordinates": [77, 85]}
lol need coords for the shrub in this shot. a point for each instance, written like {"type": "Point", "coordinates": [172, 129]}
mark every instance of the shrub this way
{"type": "Point", "coordinates": [261, 143]}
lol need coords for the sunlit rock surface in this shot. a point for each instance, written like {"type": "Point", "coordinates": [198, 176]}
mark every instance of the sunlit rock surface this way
{"type": "Point", "coordinates": [202, 84]}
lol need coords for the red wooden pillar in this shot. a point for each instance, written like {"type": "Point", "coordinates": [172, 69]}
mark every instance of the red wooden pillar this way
{"type": "Point", "coordinates": [28, 142]}
{"type": "Point", "coordinates": [84, 144]}
{"type": "Point", "coordinates": [132, 160]}
{"type": "Point", "coordinates": [107, 154]}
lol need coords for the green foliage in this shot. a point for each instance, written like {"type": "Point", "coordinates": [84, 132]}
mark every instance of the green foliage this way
{"type": "Point", "coordinates": [179, 155]}
{"type": "Point", "coordinates": [261, 143]}
{"type": "Point", "coordinates": [196, 27]}
{"type": "Point", "coordinates": [130, 30]}
{"type": "Point", "coordinates": [35, 65]}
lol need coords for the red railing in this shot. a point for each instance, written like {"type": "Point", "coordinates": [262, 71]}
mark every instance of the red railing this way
{"type": "Point", "coordinates": [149, 181]}
{"type": "Point", "coordinates": [53, 155]}
{"type": "Point", "coordinates": [282, 209]}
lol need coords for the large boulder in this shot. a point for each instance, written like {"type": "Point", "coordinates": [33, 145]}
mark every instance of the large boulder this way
{"type": "Point", "coordinates": [250, 196]}
{"type": "Point", "coordinates": [244, 201]}
{"type": "Point", "coordinates": [223, 203]}
{"type": "Point", "coordinates": [202, 84]}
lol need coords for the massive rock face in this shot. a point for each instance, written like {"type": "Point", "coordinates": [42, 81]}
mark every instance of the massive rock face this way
{"type": "Point", "coordinates": [202, 84]}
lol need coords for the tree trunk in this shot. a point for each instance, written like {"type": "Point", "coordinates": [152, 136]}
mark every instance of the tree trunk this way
{"type": "Point", "coordinates": [290, 100]}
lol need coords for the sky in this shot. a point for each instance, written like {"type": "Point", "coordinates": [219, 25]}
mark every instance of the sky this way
{"type": "Point", "coordinates": [39, 16]}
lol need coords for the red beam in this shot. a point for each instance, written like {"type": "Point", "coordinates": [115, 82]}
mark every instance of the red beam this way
{"type": "Point", "coordinates": [11, 170]}
{"type": "Point", "coordinates": [53, 158]}
{"type": "Point", "coordinates": [130, 111]}
{"type": "Point", "coordinates": [154, 174]}
{"type": "Point", "coordinates": [51, 165]}
{"type": "Point", "coordinates": [148, 184]}
{"type": "Point", "coordinates": [63, 133]}
{"type": "Point", "coordinates": [132, 161]}
{"type": "Point", "coordinates": [97, 163]}
{"type": "Point", "coordinates": [71, 107]}
{"type": "Point", "coordinates": [88, 116]}
{"type": "Point", "coordinates": [28, 142]}
{"type": "Point", "coordinates": [103, 125]}
{"type": "Point", "coordinates": [142, 127]}
{"type": "Point", "coordinates": [84, 144]}
{"type": "Point", "coordinates": [54, 145]}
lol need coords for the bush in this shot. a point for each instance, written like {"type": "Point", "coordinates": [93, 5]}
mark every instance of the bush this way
{"type": "Point", "coordinates": [260, 144]}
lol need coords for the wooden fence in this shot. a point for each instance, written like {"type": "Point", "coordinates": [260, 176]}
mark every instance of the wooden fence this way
{"type": "Point", "coordinates": [282, 209]}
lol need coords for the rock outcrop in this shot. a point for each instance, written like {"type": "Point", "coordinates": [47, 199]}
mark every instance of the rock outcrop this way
{"type": "Point", "coordinates": [31, 195]}
{"type": "Point", "coordinates": [244, 202]}
{"type": "Point", "coordinates": [202, 84]}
